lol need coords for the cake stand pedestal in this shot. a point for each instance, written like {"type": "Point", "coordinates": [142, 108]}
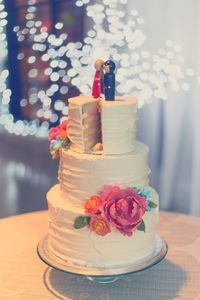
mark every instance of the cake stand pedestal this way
{"type": "Point", "coordinates": [102, 275]}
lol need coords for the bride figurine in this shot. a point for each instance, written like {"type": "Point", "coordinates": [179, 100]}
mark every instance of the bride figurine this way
{"type": "Point", "coordinates": [97, 88]}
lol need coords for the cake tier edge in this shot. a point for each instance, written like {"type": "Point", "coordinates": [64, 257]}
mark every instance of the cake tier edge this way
{"type": "Point", "coordinates": [85, 248]}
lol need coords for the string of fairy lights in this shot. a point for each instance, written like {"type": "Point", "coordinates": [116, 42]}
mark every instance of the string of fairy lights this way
{"type": "Point", "coordinates": [5, 92]}
{"type": "Point", "coordinates": [115, 34]}
{"type": "Point", "coordinates": [48, 48]}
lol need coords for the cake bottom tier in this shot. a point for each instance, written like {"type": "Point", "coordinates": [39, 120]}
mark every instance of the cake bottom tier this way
{"type": "Point", "coordinates": [85, 248]}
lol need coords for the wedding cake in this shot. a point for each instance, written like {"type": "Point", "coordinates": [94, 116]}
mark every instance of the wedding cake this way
{"type": "Point", "coordinates": [102, 213]}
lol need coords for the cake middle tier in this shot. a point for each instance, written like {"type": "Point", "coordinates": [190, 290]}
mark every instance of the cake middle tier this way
{"type": "Point", "coordinates": [83, 175]}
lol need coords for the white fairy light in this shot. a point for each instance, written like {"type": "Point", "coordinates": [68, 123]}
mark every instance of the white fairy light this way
{"type": "Point", "coordinates": [47, 114]}
{"type": "Point", "coordinates": [54, 63]}
{"type": "Point", "coordinates": [65, 111]}
{"type": "Point", "coordinates": [66, 78]}
{"type": "Point", "coordinates": [31, 59]}
{"type": "Point", "coordinates": [185, 86]}
{"type": "Point", "coordinates": [31, 9]}
{"type": "Point", "coordinates": [33, 73]}
{"type": "Point", "coordinates": [31, 2]}
{"type": "Point", "coordinates": [64, 90]}
{"type": "Point", "coordinates": [20, 56]}
{"type": "Point", "coordinates": [45, 57]}
{"type": "Point", "coordinates": [54, 118]}
{"type": "Point", "coordinates": [32, 30]}
{"type": "Point", "coordinates": [38, 23]}
{"type": "Point", "coordinates": [62, 64]}
{"type": "Point", "coordinates": [59, 25]}
{"type": "Point", "coordinates": [177, 48]}
{"type": "Point", "coordinates": [61, 73]}
{"type": "Point", "coordinates": [190, 72]}
{"type": "Point", "coordinates": [169, 43]}
{"type": "Point", "coordinates": [54, 76]}
{"type": "Point", "coordinates": [3, 23]}
{"type": "Point", "coordinates": [40, 113]}
{"type": "Point", "coordinates": [23, 102]}
{"type": "Point", "coordinates": [115, 34]}
{"type": "Point", "coordinates": [59, 105]}
{"type": "Point", "coordinates": [30, 24]}
{"type": "Point", "coordinates": [29, 16]}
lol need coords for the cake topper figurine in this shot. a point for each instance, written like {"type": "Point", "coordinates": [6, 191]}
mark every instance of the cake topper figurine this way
{"type": "Point", "coordinates": [97, 88]}
{"type": "Point", "coordinates": [109, 80]}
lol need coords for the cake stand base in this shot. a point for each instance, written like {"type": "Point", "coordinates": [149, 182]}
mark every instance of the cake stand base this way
{"type": "Point", "coordinates": [103, 279]}
{"type": "Point", "coordinates": [102, 275]}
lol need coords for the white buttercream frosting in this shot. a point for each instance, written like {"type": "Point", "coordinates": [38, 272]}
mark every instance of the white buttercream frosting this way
{"type": "Point", "coordinates": [112, 123]}
{"type": "Point", "coordinates": [106, 127]}
{"type": "Point", "coordinates": [83, 175]}
{"type": "Point", "coordinates": [84, 247]}
{"type": "Point", "coordinates": [118, 125]}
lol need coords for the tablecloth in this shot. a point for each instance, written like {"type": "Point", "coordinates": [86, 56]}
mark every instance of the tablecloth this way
{"type": "Point", "coordinates": [23, 276]}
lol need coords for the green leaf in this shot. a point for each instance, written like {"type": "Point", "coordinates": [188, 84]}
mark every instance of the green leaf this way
{"type": "Point", "coordinates": [65, 143]}
{"type": "Point", "coordinates": [81, 222]}
{"type": "Point", "coordinates": [151, 204]}
{"type": "Point", "coordinates": [141, 227]}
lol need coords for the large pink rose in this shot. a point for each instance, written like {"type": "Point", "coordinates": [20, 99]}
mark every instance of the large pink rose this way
{"type": "Point", "coordinates": [123, 208]}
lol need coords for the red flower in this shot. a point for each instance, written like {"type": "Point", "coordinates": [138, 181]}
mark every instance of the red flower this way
{"type": "Point", "coordinates": [60, 130]}
{"type": "Point", "coordinates": [53, 133]}
{"type": "Point", "coordinates": [64, 125]}
{"type": "Point", "coordinates": [63, 129]}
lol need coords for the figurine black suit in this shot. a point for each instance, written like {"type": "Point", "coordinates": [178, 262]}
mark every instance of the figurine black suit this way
{"type": "Point", "coordinates": [109, 80]}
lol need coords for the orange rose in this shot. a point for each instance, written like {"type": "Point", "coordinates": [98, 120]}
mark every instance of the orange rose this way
{"type": "Point", "coordinates": [99, 225]}
{"type": "Point", "coordinates": [92, 205]}
{"type": "Point", "coordinates": [63, 129]}
{"type": "Point", "coordinates": [62, 134]}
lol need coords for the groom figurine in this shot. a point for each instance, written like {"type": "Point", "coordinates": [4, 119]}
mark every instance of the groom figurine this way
{"type": "Point", "coordinates": [109, 80]}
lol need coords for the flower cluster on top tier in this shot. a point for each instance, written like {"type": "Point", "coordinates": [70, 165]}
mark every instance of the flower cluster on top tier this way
{"type": "Point", "coordinates": [58, 139]}
{"type": "Point", "coordinates": [122, 209]}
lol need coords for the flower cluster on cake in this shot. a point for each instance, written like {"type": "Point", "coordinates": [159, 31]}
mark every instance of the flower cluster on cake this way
{"type": "Point", "coordinates": [122, 209]}
{"type": "Point", "coordinates": [103, 199]}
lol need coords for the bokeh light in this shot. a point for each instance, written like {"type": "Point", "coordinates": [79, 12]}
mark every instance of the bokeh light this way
{"type": "Point", "coordinates": [113, 34]}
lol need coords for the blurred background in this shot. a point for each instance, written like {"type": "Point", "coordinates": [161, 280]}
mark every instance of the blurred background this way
{"type": "Point", "coordinates": [47, 51]}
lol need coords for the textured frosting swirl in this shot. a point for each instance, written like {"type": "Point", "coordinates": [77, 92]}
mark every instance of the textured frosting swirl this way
{"type": "Point", "coordinates": [82, 175]}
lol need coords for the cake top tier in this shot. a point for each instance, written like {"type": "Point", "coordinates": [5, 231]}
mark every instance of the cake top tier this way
{"type": "Point", "coordinates": [81, 100]}
{"type": "Point", "coordinates": [98, 124]}
{"type": "Point", "coordinates": [102, 127]}
{"type": "Point", "coordinates": [120, 101]}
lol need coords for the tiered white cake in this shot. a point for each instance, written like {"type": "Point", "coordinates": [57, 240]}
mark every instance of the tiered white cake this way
{"type": "Point", "coordinates": [121, 230]}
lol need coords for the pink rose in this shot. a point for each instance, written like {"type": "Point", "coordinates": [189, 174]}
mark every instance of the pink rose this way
{"type": "Point", "coordinates": [123, 208]}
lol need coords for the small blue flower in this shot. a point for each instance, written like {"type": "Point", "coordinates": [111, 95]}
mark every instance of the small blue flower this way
{"type": "Point", "coordinates": [146, 194]}
{"type": "Point", "coordinates": [58, 139]}
{"type": "Point", "coordinates": [148, 208]}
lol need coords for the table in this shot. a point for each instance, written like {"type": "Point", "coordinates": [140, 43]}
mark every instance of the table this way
{"type": "Point", "coordinates": [23, 276]}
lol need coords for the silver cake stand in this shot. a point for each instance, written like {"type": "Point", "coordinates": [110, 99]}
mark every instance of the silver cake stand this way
{"type": "Point", "coordinates": [102, 275]}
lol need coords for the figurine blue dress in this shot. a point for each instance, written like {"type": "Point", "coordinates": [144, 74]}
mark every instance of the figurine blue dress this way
{"type": "Point", "coordinates": [109, 80]}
